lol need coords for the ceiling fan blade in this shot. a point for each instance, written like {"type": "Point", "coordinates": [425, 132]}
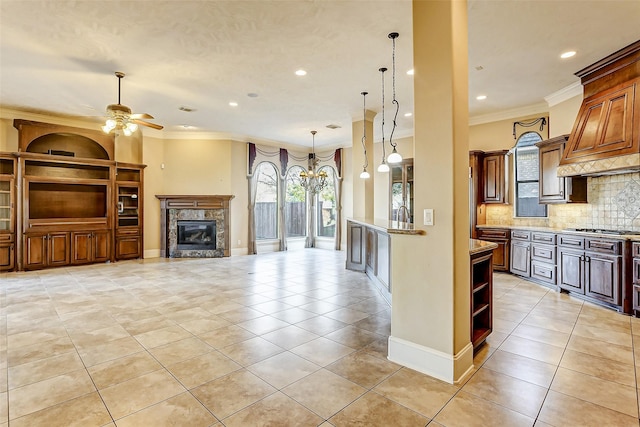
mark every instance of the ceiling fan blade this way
{"type": "Point", "coordinates": [143, 123]}
{"type": "Point", "coordinates": [141, 116]}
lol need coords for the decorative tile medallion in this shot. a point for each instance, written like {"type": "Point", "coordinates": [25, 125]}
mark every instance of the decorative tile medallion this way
{"type": "Point", "coordinates": [628, 200]}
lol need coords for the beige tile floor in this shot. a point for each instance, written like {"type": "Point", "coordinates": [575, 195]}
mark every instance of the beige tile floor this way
{"type": "Point", "coordinates": [290, 339]}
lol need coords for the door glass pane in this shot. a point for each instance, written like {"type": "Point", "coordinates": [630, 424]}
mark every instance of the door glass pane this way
{"type": "Point", "coordinates": [295, 214]}
{"type": "Point", "coordinates": [327, 207]}
{"type": "Point", "coordinates": [266, 211]}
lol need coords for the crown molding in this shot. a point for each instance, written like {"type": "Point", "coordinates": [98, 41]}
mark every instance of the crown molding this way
{"type": "Point", "coordinates": [564, 94]}
{"type": "Point", "coordinates": [541, 108]}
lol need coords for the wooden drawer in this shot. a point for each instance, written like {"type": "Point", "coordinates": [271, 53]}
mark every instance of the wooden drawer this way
{"type": "Point", "coordinates": [133, 231]}
{"type": "Point", "coordinates": [568, 241]}
{"type": "Point", "coordinates": [543, 253]}
{"type": "Point", "coordinates": [521, 235]}
{"type": "Point", "coordinates": [6, 237]}
{"type": "Point", "coordinates": [544, 272]}
{"type": "Point", "coordinates": [494, 233]}
{"type": "Point", "coordinates": [611, 247]}
{"type": "Point", "coordinates": [546, 238]}
{"type": "Point", "coordinates": [635, 249]}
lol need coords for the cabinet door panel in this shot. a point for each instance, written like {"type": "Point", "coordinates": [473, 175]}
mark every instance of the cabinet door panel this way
{"type": "Point", "coordinates": [520, 258]}
{"type": "Point", "coordinates": [59, 253]}
{"type": "Point", "coordinates": [493, 170]}
{"type": "Point", "coordinates": [551, 186]}
{"type": "Point", "coordinates": [81, 247]}
{"type": "Point", "coordinates": [602, 277]}
{"type": "Point", "coordinates": [6, 257]}
{"type": "Point", "coordinates": [101, 245]}
{"type": "Point", "coordinates": [356, 246]}
{"type": "Point", "coordinates": [128, 247]}
{"type": "Point", "coordinates": [570, 271]}
{"type": "Point", "coordinates": [35, 251]}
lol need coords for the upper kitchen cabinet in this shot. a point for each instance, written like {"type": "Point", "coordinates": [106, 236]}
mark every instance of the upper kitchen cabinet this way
{"type": "Point", "coordinates": [555, 189]}
{"type": "Point", "coordinates": [608, 123]}
{"type": "Point", "coordinates": [495, 177]}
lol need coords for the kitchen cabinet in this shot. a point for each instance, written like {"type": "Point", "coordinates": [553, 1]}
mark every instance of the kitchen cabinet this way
{"type": "Point", "coordinates": [495, 177]}
{"type": "Point", "coordinates": [477, 215]}
{"type": "Point", "coordinates": [46, 250]}
{"type": "Point", "coordinates": [356, 248]}
{"type": "Point", "coordinates": [591, 267]}
{"type": "Point", "coordinates": [90, 246]}
{"type": "Point", "coordinates": [521, 253]}
{"type": "Point", "coordinates": [543, 258]}
{"type": "Point", "coordinates": [502, 237]}
{"type": "Point", "coordinates": [555, 189]}
{"type": "Point", "coordinates": [635, 250]}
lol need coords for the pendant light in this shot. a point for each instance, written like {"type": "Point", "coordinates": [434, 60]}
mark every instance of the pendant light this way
{"type": "Point", "coordinates": [394, 157]}
{"type": "Point", "coordinates": [364, 174]}
{"type": "Point", "coordinates": [384, 167]}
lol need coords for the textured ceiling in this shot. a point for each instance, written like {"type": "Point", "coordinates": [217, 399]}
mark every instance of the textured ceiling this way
{"type": "Point", "coordinates": [58, 57]}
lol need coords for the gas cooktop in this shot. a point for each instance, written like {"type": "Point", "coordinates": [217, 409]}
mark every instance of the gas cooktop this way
{"type": "Point", "coordinates": [604, 231]}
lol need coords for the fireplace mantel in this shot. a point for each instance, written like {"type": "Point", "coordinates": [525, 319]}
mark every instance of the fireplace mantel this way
{"type": "Point", "coordinates": [199, 204]}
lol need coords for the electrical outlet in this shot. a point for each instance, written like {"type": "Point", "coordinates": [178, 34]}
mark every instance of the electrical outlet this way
{"type": "Point", "coordinates": [428, 217]}
{"type": "Point", "coordinates": [239, 242]}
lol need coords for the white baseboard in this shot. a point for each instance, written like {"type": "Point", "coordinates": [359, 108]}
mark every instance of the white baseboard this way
{"type": "Point", "coordinates": [151, 253]}
{"type": "Point", "coordinates": [239, 251]}
{"type": "Point", "coordinates": [443, 366]}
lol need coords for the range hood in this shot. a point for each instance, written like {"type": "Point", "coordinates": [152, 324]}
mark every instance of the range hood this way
{"type": "Point", "coordinates": [605, 139]}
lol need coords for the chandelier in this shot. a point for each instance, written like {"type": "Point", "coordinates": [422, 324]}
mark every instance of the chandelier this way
{"type": "Point", "coordinates": [312, 180]}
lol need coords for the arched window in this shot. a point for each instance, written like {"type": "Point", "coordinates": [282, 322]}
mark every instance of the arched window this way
{"type": "Point", "coordinates": [266, 210]}
{"type": "Point", "coordinates": [326, 206]}
{"type": "Point", "coordinates": [295, 204]}
{"type": "Point", "coordinates": [527, 173]}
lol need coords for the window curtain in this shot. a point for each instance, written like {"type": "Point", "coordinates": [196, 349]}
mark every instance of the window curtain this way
{"type": "Point", "coordinates": [310, 241]}
{"type": "Point", "coordinates": [253, 189]}
{"type": "Point", "coordinates": [282, 190]}
{"type": "Point", "coordinates": [337, 158]}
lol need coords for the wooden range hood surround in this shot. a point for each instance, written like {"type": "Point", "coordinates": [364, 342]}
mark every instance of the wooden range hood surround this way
{"type": "Point", "coordinates": [606, 135]}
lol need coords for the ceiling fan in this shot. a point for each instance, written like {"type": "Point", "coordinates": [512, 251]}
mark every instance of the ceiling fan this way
{"type": "Point", "coordinates": [119, 117]}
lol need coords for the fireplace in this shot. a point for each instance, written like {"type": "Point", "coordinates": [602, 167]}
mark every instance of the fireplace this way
{"type": "Point", "coordinates": [194, 226]}
{"type": "Point", "coordinates": [196, 235]}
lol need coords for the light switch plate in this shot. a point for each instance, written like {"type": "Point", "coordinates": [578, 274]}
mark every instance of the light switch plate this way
{"type": "Point", "coordinates": [428, 217]}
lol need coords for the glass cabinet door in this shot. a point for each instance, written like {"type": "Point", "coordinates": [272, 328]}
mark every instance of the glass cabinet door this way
{"type": "Point", "coordinates": [5, 205]}
{"type": "Point", "coordinates": [128, 206]}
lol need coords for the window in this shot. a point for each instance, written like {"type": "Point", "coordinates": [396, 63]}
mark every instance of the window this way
{"type": "Point", "coordinates": [326, 206]}
{"type": "Point", "coordinates": [266, 211]}
{"type": "Point", "coordinates": [527, 173]}
{"type": "Point", "coordinates": [295, 206]}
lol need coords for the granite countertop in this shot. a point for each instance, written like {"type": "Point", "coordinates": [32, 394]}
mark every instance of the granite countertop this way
{"type": "Point", "coordinates": [633, 237]}
{"type": "Point", "coordinates": [391, 227]}
{"type": "Point", "coordinates": [479, 246]}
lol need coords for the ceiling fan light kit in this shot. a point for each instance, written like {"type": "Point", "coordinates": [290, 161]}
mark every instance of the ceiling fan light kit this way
{"type": "Point", "coordinates": [120, 118]}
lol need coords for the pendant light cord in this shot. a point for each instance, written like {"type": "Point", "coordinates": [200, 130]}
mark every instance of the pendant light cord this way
{"type": "Point", "coordinates": [384, 152]}
{"type": "Point", "coordinates": [393, 37]}
{"type": "Point", "coordinates": [364, 128]}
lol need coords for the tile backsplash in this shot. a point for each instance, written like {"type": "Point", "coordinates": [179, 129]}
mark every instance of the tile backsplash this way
{"type": "Point", "coordinates": [614, 203]}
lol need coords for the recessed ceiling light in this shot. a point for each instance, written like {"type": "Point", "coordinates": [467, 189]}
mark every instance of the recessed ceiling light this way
{"type": "Point", "coordinates": [332, 126]}
{"type": "Point", "coordinates": [410, 72]}
{"type": "Point", "coordinates": [479, 68]}
{"type": "Point", "coordinates": [481, 97]}
{"type": "Point", "coordinates": [568, 54]}
{"type": "Point", "coordinates": [187, 126]}
{"type": "Point", "coordinates": [408, 114]}
{"type": "Point", "coordinates": [301, 72]}
{"type": "Point", "coordinates": [187, 109]}
{"type": "Point", "coordinates": [252, 95]}
{"type": "Point", "coordinates": [233, 104]}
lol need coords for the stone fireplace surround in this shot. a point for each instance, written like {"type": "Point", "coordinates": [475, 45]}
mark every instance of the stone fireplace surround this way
{"type": "Point", "coordinates": [194, 207]}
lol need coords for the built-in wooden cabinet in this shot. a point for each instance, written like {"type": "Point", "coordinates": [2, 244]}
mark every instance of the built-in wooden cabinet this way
{"type": "Point", "coordinates": [481, 276]}
{"type": "Point", "coordinates": [555, 189]}
{"type": "Point", "coordinates": [7, 211]}
{"type": "Point", "coordinates": [502, 237]}
{"type": "Point", "coordinates": [495, 177]}
{"type": "Point", "coordinates": [129, 230]}
{"type": "Point", "coordinates": [521, 253]}
{"type": "Point", "coordinates": [42, 250]}
{"type": "Point", "coordinates": [77, 205]}
{"type": "Point", "coordinates": [533, 255]}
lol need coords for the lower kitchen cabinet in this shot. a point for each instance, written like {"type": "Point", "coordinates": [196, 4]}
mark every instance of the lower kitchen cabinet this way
{"type": "Point", "coordinates": [7, 256]}
{"type": "Point", "coordinates": [501, 237]}
{"type": "Point", "coordinates": [521, 253]}
{"type": "Point", "coordinates": [635, 251]}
